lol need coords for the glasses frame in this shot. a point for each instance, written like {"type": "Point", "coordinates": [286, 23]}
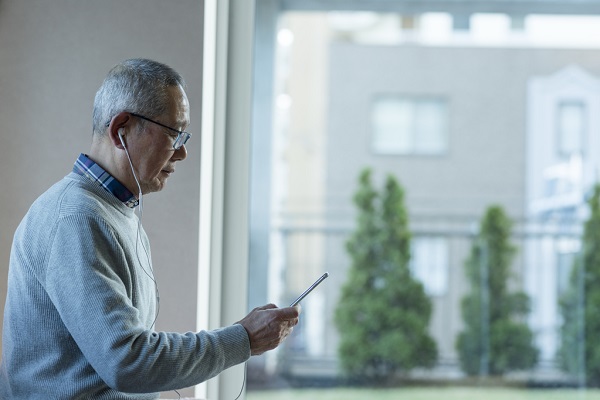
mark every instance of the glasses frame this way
{"type": "Point", "coordinates": [182, 136]}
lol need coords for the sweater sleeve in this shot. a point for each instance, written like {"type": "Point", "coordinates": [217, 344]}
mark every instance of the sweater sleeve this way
{"type": "Point", "coordinates": [90, 281]}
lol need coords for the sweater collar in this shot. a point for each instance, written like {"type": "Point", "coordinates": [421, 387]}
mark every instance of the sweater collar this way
{"type": "Point", "coordinates": [85, 166]}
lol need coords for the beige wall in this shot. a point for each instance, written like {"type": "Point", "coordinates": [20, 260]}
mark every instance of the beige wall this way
{"type": "Point", "coordinates": [53, 57]}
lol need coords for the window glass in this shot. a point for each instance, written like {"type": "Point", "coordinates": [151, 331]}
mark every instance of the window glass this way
{"type": "Point", "coordinates": [429, 264]}
{"type": "Point", "coordinates": [571, 127]}
{"type": "Point", "coordinates": [404, 125]}
{"type": "Point", "coordinates": [498, 220]}
{"type": "Point", "coordinates": [567, 251]}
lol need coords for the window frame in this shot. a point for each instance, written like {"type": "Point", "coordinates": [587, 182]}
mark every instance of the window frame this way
{"type": "Point", "coordinates": [226, 121]}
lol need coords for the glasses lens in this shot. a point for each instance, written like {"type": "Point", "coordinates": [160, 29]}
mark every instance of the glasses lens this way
{"type": "Point", "coordinates": [181, 140]}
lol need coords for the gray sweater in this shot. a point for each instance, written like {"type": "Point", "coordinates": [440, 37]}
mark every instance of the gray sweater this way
{"type": "Point", "coordinates": [81, 303]}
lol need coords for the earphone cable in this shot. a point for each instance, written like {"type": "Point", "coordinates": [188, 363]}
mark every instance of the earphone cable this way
{"type": "Point", "coordinates": [243, 382]}
{"type": "Point", "coordinates": [138, 239]}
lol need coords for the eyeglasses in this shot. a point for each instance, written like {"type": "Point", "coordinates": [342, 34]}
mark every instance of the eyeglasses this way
{"type": "Point", "coordinates": [182, 136]}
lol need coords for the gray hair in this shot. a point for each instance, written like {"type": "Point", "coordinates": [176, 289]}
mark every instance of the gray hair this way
{"type": "Point", "coordinates": [136, 85]}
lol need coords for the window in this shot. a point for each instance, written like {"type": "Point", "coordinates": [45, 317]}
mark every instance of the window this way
{"type": "Point", "coordinates": [571, 127]}
{"type": "Point", "coordinates": [567, 252]}
{"type": "Point", "coordinates": [429, 264]}
{"type": "Point", "coordinates": [407, 125]}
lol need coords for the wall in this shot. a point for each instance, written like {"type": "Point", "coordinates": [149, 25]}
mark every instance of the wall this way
{"type": "Point", "coordinates": [53, 57]}
{"type": "Point", "coordinates": [487, 92]}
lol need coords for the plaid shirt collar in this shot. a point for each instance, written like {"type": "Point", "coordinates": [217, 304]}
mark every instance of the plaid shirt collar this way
{"type": "Point", "coordinates": [86, 167]}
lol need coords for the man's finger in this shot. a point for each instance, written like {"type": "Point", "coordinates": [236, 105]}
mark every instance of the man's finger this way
{"type": "Point", "coordinates": [266, 307]}
{"type": "Point", "coordinates": [289, 312]}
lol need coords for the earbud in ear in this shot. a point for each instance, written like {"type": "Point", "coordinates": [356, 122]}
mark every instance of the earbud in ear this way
{"type": "Point", "coordinates": [120, 132]}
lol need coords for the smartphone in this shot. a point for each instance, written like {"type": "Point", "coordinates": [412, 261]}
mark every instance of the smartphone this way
{"type": "Point", "coordinates": [307, 291]}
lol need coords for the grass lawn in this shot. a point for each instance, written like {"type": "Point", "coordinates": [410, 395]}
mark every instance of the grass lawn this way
{"type": "Point", "coordinates": [439, 393]}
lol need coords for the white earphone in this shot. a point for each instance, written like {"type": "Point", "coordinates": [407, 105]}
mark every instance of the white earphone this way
{"type": "Point", "coordinates": [131, 165]}
{"type": "Point", "coordinates": [121, 138]}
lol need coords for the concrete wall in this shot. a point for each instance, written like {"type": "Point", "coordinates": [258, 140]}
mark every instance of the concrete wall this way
{"type": "Point", "coordinates": [53, 57]}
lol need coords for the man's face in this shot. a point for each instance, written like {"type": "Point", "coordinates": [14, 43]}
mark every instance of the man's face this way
{"type": "Point", "coordinates": [153, 156]}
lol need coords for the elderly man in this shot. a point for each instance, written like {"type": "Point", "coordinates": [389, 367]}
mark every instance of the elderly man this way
{"type": "Point", "coordinates": [82, 298]}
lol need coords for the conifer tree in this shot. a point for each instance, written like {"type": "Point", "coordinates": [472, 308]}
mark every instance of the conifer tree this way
{"type": "Point", "coordinates": [383, 313]}
{"type": "Point", "coordinates": [496, 339]}
{"type": "Point", "coordinates": [580, 305]}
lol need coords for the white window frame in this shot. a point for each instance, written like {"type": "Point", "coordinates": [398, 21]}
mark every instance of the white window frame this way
{"type": "Point", "coordinates": [226, 126]}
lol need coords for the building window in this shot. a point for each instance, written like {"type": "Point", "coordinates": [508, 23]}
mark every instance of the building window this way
{"type": "Point", "coordinates": [571, 126]}
{"type": "Point", "coordinates": [429, 264]}
{"type": "Point", "coordinates": [409, 125]}
{"type": "Point", "coordinates": [566, 254]}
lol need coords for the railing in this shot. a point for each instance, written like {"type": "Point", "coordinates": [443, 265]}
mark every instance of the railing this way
{"type": "Point", "coordinates": [545, 251]}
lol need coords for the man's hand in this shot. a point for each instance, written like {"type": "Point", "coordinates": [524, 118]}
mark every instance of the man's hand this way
{"type": "Point", "coordinates": [268, 326]}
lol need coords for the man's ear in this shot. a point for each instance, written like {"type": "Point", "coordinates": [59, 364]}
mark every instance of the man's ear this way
{"type": "Point", "coordinates": [119, 125]}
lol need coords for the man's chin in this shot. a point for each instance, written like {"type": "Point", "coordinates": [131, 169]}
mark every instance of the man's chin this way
{"type": "Point", "coordinates": [154, 187]}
